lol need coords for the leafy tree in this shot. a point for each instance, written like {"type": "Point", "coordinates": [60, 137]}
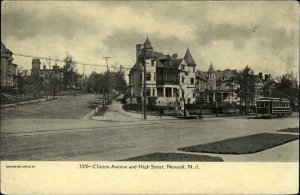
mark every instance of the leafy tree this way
{"type": "Point", "coordinates": [286, 86]}
{"type": "Point", "coordinates": [108, 82]}
{"type": "Point", "coordinates": [245, 78]}
{"type": "Point", "coordinates": [69, 72]}
{"type": "Point", "coordinates": [268, 85]}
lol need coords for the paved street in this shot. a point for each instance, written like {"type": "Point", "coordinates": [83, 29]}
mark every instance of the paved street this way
{"type": "Point", "coordinates": [65, 133]}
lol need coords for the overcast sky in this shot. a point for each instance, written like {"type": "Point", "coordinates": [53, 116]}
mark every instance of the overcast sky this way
{"type": "Point", "coordinates": [264, 35]}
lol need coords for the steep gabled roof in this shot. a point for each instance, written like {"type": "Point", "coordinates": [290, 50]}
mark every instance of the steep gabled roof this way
{"type": "Point", "coordinates": [169, 63]}
{"type": "Point", "coordinates": [202, 75]}
{"type": "Point", "coordinates": [189, 59]}
{"type": "Point", "coordinates": [159, 64]}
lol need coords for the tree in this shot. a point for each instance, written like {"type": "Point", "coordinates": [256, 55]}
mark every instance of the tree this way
{"type": "Point", "coordinates": [108, 82]}
{"type": "Point", "coordinates": [286, 86]}
{"type": "Point", "coordinates": [245, 78]}
{"type": "Point", "coordinates": [20, 81]}
{"type": "Point", "coordinates": [69, 72]}
{"type": "Point", "coordinates": [268, 85]}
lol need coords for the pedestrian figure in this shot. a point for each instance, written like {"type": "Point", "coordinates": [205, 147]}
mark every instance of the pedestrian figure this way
{"type": "Point", "coordinates": [161, 112]}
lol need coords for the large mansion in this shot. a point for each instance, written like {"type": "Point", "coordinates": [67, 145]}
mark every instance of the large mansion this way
{"type": "Point", "coordinates": [169, 78]}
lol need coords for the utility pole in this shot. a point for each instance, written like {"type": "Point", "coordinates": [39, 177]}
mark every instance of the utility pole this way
{"type": "Point", "coordinates": [145, 88]}
{"type": "Point", "coordinates": [106, 57]}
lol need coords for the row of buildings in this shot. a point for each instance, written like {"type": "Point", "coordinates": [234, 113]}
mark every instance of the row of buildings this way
{"type": "Point", "coordinates": [53, 78]}
{"type": "Point", "coordinates": [172, 79]}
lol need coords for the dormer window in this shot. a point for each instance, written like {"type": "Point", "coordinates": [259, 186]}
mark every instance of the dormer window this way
{"type": "Point", "coordinates": [182, 66]}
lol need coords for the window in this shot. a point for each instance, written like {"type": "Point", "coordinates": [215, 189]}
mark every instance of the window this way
{"type": "Point", "coordinates": [192, 81]}
{"type": "Point", "coordinates": [141, 77]}
{"type": "Point", "coordinates": [193, 68]}
{"type": "Point", "coordinates": [155, 76]}
{"type": "Point", "coordinates": [152, 62]}
{"type": "Point", "coordinates": [148, 92]}
{"type": "Point", "coordinates": [182, 67]}
{"type": "Point", "coordinates": [148, 77]}
{"type": "Point", "coordinates": [182, 79]}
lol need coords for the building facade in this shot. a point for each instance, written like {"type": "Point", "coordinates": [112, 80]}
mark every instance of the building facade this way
{"type": "Point", "coordinates": [47, 79]}
{"type": "Point", "coordinates": [217, 85]}
{"type": "Point", "coordinates": [168, 78]}
{"type": "Point", "coordinates": [224, 86]}
{"type": "Point", "coordinates": [8, 68]}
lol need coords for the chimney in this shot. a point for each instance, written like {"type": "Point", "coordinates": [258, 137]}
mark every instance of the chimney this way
{"type": "Point", "coordinates": [260, 75]}
{"type": "Point", "coordinates": [139, 48]}
{"type": "Point", "coordinates": [175, 56]}
{"type": "Point", "coordinates": [266, 76]}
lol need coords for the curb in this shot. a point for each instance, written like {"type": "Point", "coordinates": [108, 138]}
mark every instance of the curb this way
{"type": "Point", "coordinates": [28, 102]}
{"type": "Point", "coordinates": [33, 101]}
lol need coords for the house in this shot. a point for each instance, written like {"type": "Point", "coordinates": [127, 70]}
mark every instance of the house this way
{"type": "Point", "coordinates": [217, 85]}
{"type": "Point", "coordinates": [8, 68]}
{"type": "Point", "coordinates": [223, 86]}
{"type": "Point", "coordinates": [169, 79]}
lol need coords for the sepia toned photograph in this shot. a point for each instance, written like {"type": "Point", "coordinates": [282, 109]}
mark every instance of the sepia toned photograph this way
{"type": "Point", "coordinates": [150, 81]}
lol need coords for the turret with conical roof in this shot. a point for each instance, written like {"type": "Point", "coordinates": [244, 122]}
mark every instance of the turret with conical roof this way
{"type": "Point", "coordinates": [211, 68]}
{"type": "Point", "coordinates": [189, 59]}
{"type": "Point", "coordinates": [148, 49]}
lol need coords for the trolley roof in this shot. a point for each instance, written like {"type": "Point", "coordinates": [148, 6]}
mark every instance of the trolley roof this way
{"type": "Point", "coordinates": [273, 99]}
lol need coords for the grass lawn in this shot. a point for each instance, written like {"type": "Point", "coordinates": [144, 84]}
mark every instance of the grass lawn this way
{"type": "Point", "coordinates": [243, 145]}
{"type": "Point", "coordinates": [68, 107]}
{"type": "Point", "coordinates": [174, 157]}
{"type": "Point", "coordinates": [291, 130]}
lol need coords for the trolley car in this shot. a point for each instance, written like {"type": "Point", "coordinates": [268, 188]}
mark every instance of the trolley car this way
{"type": "Point", "coordinates": [272, 107]}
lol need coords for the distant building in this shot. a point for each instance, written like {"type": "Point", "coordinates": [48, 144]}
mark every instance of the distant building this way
{"type": "Point", "coordinates": [45, 74]}
{"type": "Point", "coordinates": [170, 79]}
{"type": "Point", "coordinates": [222, 86]}
{"type": "Point", "coordinates": [8, 68]}
{"type": "Point", "coordinates": [217, 85]}
{"type": "Point", "coordinates": [47, 79]}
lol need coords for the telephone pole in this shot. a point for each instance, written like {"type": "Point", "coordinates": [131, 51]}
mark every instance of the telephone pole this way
{"type": "Point", "coordinates": [145, 88]}
{"type": "Point", "coordinates": [106, 57]}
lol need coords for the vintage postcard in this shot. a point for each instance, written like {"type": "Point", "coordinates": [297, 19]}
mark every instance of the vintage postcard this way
{"type": "Point", "coordinates": [149, 97]}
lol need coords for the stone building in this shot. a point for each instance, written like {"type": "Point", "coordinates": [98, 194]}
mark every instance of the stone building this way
{"type": "Point", "coordinates": [170, 79]}
{"type": "Point", "coordinates": [8, 68]}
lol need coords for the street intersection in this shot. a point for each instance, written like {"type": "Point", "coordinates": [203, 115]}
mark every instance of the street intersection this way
{"type": "Point", "coordinates": [63, 129]}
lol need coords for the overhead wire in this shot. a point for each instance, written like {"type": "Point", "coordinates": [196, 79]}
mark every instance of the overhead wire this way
{"type": "Point", "coordinates": [59, 60]}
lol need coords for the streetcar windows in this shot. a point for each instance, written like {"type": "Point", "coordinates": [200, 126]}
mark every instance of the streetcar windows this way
{"type": "Point", "coordinates": [275, 104]}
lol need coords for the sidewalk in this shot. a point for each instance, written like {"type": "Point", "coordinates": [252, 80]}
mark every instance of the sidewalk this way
{"type": "Point", "coordinates": [116, 113]}
{"type": "Point", "coordinates": [28, 102]}
{"type": "Point", "coordinates": [37, 100]}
